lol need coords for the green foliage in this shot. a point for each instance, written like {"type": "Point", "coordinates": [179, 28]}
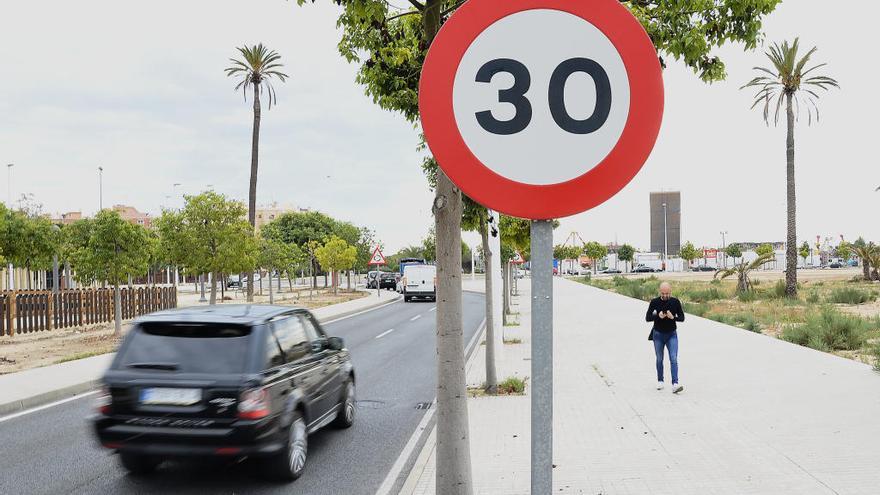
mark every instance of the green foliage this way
{"type": "Point", "coordinates": [875, 353]}
{"type": "Point", "coordinates": [626, 253]}
{"type": "Point", "coordinates": [742, 271]}
{"type": "Point", "coordinates": [107, 248]}
{"type": "Point", "coordinates": [779, 289]}
{"type": "Point", "coordinates": [788, 79]}
{"type": "Point", "coordinates": [336, 255]}
{"type": "Point", "coordinates": [28, 240]}
{"type": "Point", "coordinates": [258, 67]}
{"type": "Point", "coordinates": [851, 295]}
{"type": "Point", "coordinates": [299, 228]}
{"type": "Point", "coordinates": [844, 250]}
{"type": "Point", "coordinates": [512, 386]}
{"type": "Point", "coordinates": [704, 295]}
{"type": "Point", "coordinates": [764, 249]}
{"type": "Point", "coordinates": [273, 254]}
{"type": "Point", "coordinates": [596, 252]}
{"type": "Point", "coordinates": [830, 330]}
{"type": "Point", "coordinates": [804, 250]}
{"type": "Point", "coordinates": [638, 288]}
{"type": "Point", "coordinates": [689, 253]}
{"type": "Point", "coordinates": [733, 251]}
{"type": "Point", "coordinates": [698, 309]}
{"type": "Point", "coordinates": [747, 296]}
{"type": "Point", "coordinates": [813, 297]}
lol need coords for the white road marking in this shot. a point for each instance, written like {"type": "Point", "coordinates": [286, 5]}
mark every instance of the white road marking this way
{"type": "Point", "coordinates": [384, 333]}
{"type": "Point", "coordinates": [46, 406]}
{"type": "Point", "coordinates": [434, 308]}
{"type": "Point", "coordinates": [416, 317]}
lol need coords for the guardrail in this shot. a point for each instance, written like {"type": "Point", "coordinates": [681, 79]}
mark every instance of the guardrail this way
{"type": "Point", "coordinates": [34, 311]}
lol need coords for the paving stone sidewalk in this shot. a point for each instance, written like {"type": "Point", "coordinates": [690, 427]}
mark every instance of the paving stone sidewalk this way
{"type": "Point", "coordinates": [758, 415]}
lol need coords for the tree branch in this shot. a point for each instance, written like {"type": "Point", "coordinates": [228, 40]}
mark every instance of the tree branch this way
{"type": "Point", "coordinates": [417, 5]}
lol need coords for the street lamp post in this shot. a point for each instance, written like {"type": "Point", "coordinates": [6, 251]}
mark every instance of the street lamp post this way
{"type": "Point", "coordinates": [100, 188]}
{"type": "Point", "coordinates": [665, 239]}
{"type": "Point", "coordinates": [724, 247]}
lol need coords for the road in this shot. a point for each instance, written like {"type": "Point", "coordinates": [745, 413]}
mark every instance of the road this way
{"type": "Point", "coordinates": [53, 450]}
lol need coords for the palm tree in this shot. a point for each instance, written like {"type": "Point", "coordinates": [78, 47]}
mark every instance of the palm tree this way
{"type": "Point", "coordinates": [742, 270]}
{"type": "Point", "coordinates": [790, 81]}
{"type": "Point", "coordinates": [866, 254]}
{"type": "Point", "coordinates": [258, 67]}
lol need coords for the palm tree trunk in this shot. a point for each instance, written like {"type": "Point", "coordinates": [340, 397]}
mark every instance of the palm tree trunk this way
{"type": "Point", "coordinates": [491, 374]}
{"type": "Point", "coordinates": [252, 192]}
{"type": "Point", "coordinates": [866, 268]}
{"type": "Point", "coordinates": [791, 246]}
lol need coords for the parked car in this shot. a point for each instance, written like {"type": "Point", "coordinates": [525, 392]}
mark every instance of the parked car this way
{"type": "Point", "coordinates": [225, 382]}
{"type": "Point", "coordinates": [419, 281]}
{"type": "Point", "coordinates": [836, 264]}
{"type": "Point", "coordinates": [643, 269]}
{"type": "Point", "coordinates": [388, 280]}
{"type": "Point", "coordinates": [705, 268]}
{"type": "Point", "coordinates": [609, 271]}
{"type": "Point", "coordinates": [236, 282]}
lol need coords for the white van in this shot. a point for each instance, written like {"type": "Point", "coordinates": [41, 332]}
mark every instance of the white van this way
{"type": "Point", "coordinates": [419, 281]}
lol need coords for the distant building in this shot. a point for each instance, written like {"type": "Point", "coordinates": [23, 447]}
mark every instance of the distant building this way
{"type": "Point", "coordinates": [666, 222]}
{"type": "Point", "coordinates": [131, 214]}
{"type": "Point", "coordinates": [68, 218]}
{"type": "Point", "coordinates": [266, 214]}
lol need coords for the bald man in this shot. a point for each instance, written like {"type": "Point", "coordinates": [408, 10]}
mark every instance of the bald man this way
{"type": "Point", "coordinates": [664, 312]}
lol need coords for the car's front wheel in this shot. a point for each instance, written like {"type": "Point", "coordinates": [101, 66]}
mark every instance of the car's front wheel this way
{"type": "Point", "coordinates": [345, 418]}
{"type": "Point", "coordinates": [290, 463]}
{"type": "Point", "coordinates": [139, 463]}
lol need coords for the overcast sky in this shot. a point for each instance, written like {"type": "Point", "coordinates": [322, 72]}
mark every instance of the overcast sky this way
{"type": "Point", "coordinates": [138, 88]}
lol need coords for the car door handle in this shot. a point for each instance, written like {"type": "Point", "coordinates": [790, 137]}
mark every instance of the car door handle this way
{"type": "Point", "coordinates": [285, 391]}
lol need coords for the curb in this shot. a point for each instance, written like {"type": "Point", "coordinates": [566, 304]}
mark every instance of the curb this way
{"type": "Point", "coordinates": [47, 397]}
{"type": "Point", "coordinates": [70, 391]}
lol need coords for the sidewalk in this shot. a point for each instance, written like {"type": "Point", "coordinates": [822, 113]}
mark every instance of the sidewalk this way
{"type": "Point", "coordinates": [37, 386]}
{"type": "Point", "coordinates": [758, 415]}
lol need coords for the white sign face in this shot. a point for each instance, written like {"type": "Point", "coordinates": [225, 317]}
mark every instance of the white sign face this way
{"type": "Point", "coordinates": [546, 109]}
{"type": "Point", "coordinates": [377, 259]}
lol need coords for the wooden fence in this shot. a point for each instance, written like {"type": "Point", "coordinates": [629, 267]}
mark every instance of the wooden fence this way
{"type": "Point", "coordinates": [33, 311]}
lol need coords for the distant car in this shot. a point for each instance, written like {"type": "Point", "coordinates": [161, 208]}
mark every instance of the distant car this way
{"type": "Point", "coordinates": [704, 268]}
{"type": "Point", "coordinates": [836, 264]}
{"type": "Point", "coordinates": [643, 269]}
{"type": "Point", "coordinates": [610, 271]}
{"type": "Point", "coordinates": [236, 282]}
{"type": "Point", "coordinates": [225, 382]}
{"type": "Point", "coordinates": [388, 280]}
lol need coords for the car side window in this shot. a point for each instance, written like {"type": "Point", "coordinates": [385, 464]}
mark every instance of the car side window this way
{"type": "Point", "coordinates": [291, 335]}
{"type": "Point", "coordinates": [314, 333]}
{"type": "Point", "coordinates": [274, 357]}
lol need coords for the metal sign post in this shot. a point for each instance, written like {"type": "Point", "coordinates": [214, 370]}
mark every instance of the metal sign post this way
{"type": "Point", "coordinates": [542, 356]}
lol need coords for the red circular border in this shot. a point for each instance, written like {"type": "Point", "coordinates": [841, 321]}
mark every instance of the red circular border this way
{"type": "Point", "coordinates": [553, 200]}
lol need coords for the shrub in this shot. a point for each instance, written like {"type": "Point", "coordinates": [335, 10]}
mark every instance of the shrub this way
{"type": "Point", "coordinates": [699, 296]}
{"type": "Point", "coordinates": [698, 309]}
{"type": "Point", "coordinates": [512, 386]}
{"type": "Point", "coordinates": [829, 330]}
{"type": "Point", "coordinates": [720, 318]}
{"type": "Point", "coordinates": [851, 295]}
{"type": "Point", "coordinates": [875, 353]}
{"type": "Point", "coordinates": [644, 289]}
{"type": "Point", "coordinates": [747, 296]}
{"type": "Point", "coordinates": [779, 289]}
{"type": "Point", "coordinates": [813, 298]}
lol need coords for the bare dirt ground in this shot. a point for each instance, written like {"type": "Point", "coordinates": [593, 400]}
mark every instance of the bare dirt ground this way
{"type": "Point", "coordinates": [33, 350]}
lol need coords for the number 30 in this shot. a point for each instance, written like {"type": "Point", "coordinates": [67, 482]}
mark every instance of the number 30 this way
{"type": "Point", "coordinates": [522, 80]}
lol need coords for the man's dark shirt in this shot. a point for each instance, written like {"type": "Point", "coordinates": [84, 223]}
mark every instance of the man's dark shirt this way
{"type": "Point", "coordinates": [657, 306]}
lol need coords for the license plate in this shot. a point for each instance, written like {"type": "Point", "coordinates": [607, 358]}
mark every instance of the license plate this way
{"type": "Point", "coordinates": [171, 396]}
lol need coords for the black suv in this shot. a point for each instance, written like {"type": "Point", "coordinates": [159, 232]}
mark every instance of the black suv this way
{"type": "Point", "coordinates": [232, 381]}
{"type": "Point", "coordinates": [388, 280]}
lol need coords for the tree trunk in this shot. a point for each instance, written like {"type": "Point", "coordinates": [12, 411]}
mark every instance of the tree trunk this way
{"type": "Point", "coordinates": [271, 296]}
{"type": "Point", "coordinates": [453, 435]}
{"type": "Point", "coordinates": [348, 279]}
{"type": "Point", "coordinates": [491, 374]}
{"type": "Point", "coordinates": [260, 272]}
{"type": "Point", "coordinates": [252, 191]}
{"type": "Point", "coordinates": [866, 269]}
{"type": "Point", "coordinates": [279, 280]}
{"type": "Point", "coordinates": [223, 286]}
{"type": "Point", "coordinates": [791, 246]}
{"type": "Point", "coordinates": [117, 310]}
{"type": "Point", "coordinates": [505, 292]}
{"type": "Point", "coordinates": [213, 299]}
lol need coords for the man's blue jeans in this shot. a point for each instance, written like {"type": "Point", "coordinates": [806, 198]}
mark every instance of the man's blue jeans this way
{"type": "Point", "coordinates": [669, 341]}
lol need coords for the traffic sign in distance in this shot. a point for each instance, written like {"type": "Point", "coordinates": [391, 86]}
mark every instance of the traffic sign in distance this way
{"type": "Point", "coordinates": [377, 258]}
{"type": "Point", "coordinates": [541, 108]}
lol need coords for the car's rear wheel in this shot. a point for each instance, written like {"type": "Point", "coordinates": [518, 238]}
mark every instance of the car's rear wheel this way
{"type": "Point", "coordinates": [290, 463]}
{"type": "Point", "coordinates": [406, 299]}
{"type": "Point", "coordinates": [139, 463]}
{"type": "Point", "coordinates": [345, 418]}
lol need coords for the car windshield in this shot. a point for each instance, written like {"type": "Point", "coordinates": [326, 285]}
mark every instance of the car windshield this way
{"type": "Point", "coordinates": [188, 348]}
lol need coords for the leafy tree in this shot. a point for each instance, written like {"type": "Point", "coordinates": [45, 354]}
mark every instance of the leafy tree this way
{"type": "Point", "coordinates": [733, 251]}
{"type": "Point", "coordinates": [742, 271]}
{"type": "Point", "coordinates": [626, 253]}
{"type": "Point", "coordinates": [336, 255]}
{"type": "Point", "coordinates": [272, 257]}
{"type": "Point", "coordinates": [844, 250]}
{"type": "Point", "coordinates": [108, 248]}
{"type": "Point", "coordinates": [429, 246]}
{"type": "Point", "coordinates": [255, 70]}
{"type": "Point", "coordinates": [804, 252]}
{"type": "Point", "coordinates": [294, 259]}
{"type": "Point", "coordinates": [789, 81]}
{"type": "Point", "coordinates": [390, 46]}
{"type": "Point", "coordinates": [300, 227]}
{"type": "Point", "coordinates": [29, 241]}
{"type": "Point", "coordinates": [172, 249]}
{"type": "Point", "coordinates": [217, 240]}
{"type": "Point", "coordinates": [865, 252]}
{"type": "Point", "coordinates": [763, 249]}
{"type": "Point", "coordinates": [689, 253]}
{"type": "Point", "coordinates": [595, 251]}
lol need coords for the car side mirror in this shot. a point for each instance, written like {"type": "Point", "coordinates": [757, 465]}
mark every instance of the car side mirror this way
{"type": "Point", "coordinates": [335, 343]}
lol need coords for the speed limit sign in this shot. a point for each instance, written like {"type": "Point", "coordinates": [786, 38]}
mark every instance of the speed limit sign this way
{"type": "Point", "coordinates": [541, 109]}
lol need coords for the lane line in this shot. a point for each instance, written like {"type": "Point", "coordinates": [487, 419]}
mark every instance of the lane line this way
{"type": "Point", "coordinates": [332, 320]}
{"type": "Point", "coordinates": [416, 317]}
{"type": "Point", "coordinates": [404, 457]}
{"type": "Point", "coordinates": [384, 333]}
{"type": "Point", "coordinates": [433, 309]}
{"type": "Point", "coordinates": [46, 406]}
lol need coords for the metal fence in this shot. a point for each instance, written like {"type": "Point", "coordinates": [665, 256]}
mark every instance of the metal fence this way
{"type": "Point", "coordinates": [34, 311]}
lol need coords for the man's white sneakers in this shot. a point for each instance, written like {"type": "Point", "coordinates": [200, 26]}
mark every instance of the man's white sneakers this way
{"type": "Point", "coordinates": [677, 387]}
{"type": "Point", "coordinates": [659, 385]}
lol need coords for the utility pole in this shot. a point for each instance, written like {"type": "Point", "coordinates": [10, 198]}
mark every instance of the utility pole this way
{"type": "Point", "coordinates": [9, 184]}
{"type": "Point", "coordinates": [665, 239]}
{"type": "Point", "coordinates": [724, 247]}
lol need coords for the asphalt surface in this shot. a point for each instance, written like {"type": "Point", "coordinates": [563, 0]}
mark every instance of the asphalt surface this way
{"type": "Point", "coordinates": [54, 451]}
